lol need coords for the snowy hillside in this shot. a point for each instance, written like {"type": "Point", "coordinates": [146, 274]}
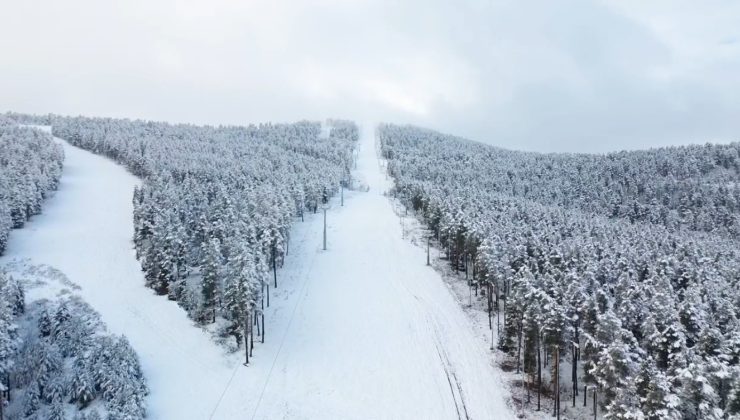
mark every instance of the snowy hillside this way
{"type": "Point", "coordinates": [63, 363]}
{"type": "Point", "coordinates": [612, 278]}
{"type": "Point", "coordinates": [439, 293]}
{"type": "Point", "coordinates": [30, 167]}
{"type": "Point", "coordinates": [361, 330]}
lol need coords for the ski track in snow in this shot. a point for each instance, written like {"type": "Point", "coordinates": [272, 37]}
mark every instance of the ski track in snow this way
{"type": "Point", "coordinates": [364, 330]}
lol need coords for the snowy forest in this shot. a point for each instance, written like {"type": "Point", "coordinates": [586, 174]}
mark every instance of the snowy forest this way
{"type": "Point", "coordinates": [30, 167]}
{"type": "Point", "coordinates": [610, 281]}
{"type": "Point", "coordinates": [58, 362]}
{"type": "Point", "coordinates": [615, 274]}
{"type": "Point", "coordinates": [212, 217]}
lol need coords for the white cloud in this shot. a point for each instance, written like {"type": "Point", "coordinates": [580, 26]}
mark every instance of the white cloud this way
{"type": "Point", "coordinates": [532, 74]}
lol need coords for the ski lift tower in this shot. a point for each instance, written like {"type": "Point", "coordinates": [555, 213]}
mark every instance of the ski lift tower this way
{"type": "Point", "coordinates": [325, 207]}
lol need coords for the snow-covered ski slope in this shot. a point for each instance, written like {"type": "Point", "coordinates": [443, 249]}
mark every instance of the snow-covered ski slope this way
{"type": "Point", "coordinates": [85, 231]}
{"type": "Point", "coordinates": [363, 330]}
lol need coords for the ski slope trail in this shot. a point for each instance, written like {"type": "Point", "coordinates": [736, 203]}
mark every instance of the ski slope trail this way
{"type": "Point", "coordinates": [363, 330]}
{"type": "Point", "coordinates": [85, 232]}
{"type": "Point", "coordinates": [373, 333]}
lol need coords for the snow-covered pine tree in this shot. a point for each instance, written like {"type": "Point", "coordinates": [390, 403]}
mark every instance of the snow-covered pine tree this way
{"type": "Point", "coordinates": [81, 386]}
{"type": "Point", "coordinates": [210, 270]}
{"type": "Point", "coordinates": [658, 401]}
{"type": "Point", "coordinates": [239, 290]}
{"type": "Point", "coordinates": [9, 340]}
{"type": "Point", "coordinates": [628, 237]}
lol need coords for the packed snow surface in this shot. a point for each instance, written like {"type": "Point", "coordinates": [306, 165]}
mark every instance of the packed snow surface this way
{"type": "Point", "coordinates": [363, 330]}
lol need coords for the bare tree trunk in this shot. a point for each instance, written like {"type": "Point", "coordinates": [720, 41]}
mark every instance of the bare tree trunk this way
{"type": "Point", "coordinates": [470, 293]}
{"type": "Point", "coordinates": [557, 382]}
{"type": "Point", "coordinates": [263, 327]}
{"type": "Point", "coordinates": [574, 375]}
{"type": "Point", "coordinates": [498, 322]}
{"type": "Point", "coordinates": [251, 339]}
{"type": "Point", "coordinates": [528, 376]}
{"type": "Point", "coordinates": [539, 371]}
{"type": "Point", "coordinates": [475, 284]}
{"type": "Point", "coordinates": [595, 407]}
{"type": "Point", "coordinates": [499, 337]}
{"type": "Point", "coordinates": [246, 342]}
{"type": "Point", "coordinates": [585, 391]}
{"type": "Point", "coordinates": [495, 287]}
{"type": "Point", "coordinates": [519, 346]}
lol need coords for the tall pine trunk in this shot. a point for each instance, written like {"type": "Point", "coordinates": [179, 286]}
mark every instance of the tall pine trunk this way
{"type": "Point", "coordinates": [539, 371]}
{"type": "Point", "coordinates": [246, 342]}
{"type": "Point", "coordinates": [519, 346]}
{"type": "Point", "coordinates": [274, 264]}
{"type": "Point", "coordinates": [251, 338]}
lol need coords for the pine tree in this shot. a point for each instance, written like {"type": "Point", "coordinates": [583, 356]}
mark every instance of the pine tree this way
{"type": "Point", "coordinates": [9, 341]}
{"type": "Point", "coordinates": [657, 400]}
{"type": "Point", "coordinates": [733, 401]}
{"type": "Point", "coordinates": [159, 257]}
{"type": "Point", "coordinates": [48, 365]}
{"type": "Point", "coordinates": [616, 367]}
{"type": "Point", "coordinates": [6, 223]}
{"type": "Point", "coordinates": [81, 387]}
{"type": "Point", "coordinates": [56, 411]}
{"type": "Point", "coordinates": [238, 290]}
{"type": "Point", "coordinates": [698, 394]}
{"type": "Point", "coordinates": [32, 399]}
{"type": "Point", "coordinates": [210, 270]}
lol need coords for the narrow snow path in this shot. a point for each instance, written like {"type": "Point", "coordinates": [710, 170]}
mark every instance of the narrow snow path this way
{"type": "Point", "coordinates": [363, 330]}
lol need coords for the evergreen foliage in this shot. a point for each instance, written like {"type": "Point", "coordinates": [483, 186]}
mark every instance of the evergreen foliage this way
{"type": "Point", "coordinates": [631, 258]}
{"type": "Point", "coordinates": [30, 168]}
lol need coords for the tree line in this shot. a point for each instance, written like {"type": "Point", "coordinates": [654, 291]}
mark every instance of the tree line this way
{"type": "Point", "coordinates": [621, 268]}
{"type": "Point", "coordinates": [56, 357]}
{"type": "Point", "coordinates": [30, 168]}
{"type": "Point", "coordinates": [212, 218]}
{"type": "Point", "coordinates": [683, 188]}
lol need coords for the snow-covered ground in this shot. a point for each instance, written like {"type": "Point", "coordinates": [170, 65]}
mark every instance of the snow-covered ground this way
{"type": "Point", "coordinates": [371, 331]}
{"type": "Point", "coordinates": [85, 232]}
{"type": "Point", "coordinates": [363, 330]}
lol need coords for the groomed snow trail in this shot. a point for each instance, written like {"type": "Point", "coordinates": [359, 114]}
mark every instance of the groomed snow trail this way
{"type": "Point", "coordinates": [363, 330]}
{"type": "Point", "coordinates": [85, 231]}
{"type": "Point", "coordinates": [373, 332]}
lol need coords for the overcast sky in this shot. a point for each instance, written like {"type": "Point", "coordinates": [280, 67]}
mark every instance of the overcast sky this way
{"type": "Point", "coordinates": [547, 75]}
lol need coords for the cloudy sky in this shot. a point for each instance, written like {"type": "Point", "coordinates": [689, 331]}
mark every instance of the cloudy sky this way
{"type": "Point", "coordinates": [544, 75]}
